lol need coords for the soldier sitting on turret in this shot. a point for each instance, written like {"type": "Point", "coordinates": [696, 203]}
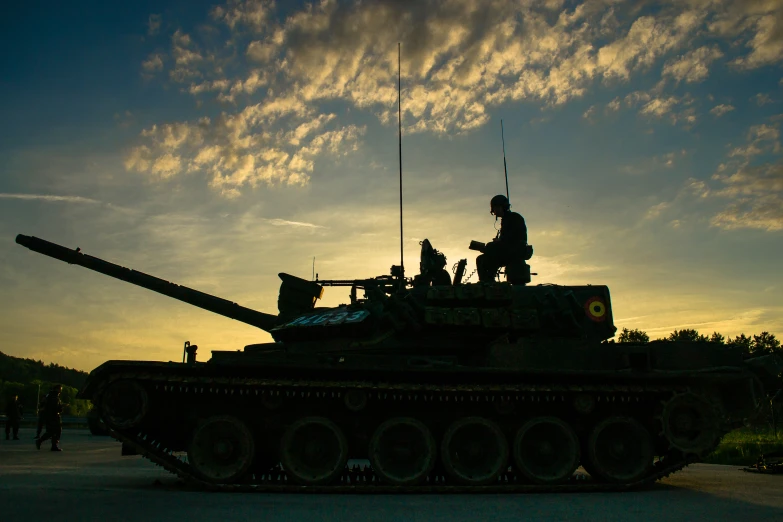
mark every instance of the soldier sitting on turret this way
{"type": "Point", "coordinates": [509, 245]}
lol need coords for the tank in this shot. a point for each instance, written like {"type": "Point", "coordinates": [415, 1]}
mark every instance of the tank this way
{"type": "Point", "coordinates": [423, 384]}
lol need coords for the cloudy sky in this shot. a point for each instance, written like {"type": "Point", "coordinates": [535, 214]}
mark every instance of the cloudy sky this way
{"type": "Point", "coordinates": [215, 145]}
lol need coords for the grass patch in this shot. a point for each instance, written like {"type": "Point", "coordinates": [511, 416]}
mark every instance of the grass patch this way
{"type": "Point", "coordinates": [743, 447]}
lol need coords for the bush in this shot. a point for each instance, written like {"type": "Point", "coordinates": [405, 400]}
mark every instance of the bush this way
{"type": "Point", "coordinates": [743, 447]}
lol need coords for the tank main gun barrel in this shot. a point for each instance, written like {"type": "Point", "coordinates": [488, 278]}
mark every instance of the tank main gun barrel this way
{"type": "Point", "coordinates": [181, 293]}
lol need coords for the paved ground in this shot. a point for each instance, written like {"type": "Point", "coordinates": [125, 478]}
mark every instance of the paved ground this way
{"type": "Point", "coordinates": [91, 481]}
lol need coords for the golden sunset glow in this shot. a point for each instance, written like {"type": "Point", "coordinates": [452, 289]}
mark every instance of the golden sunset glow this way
{"type": "Point", "coordinates": [217, 147]}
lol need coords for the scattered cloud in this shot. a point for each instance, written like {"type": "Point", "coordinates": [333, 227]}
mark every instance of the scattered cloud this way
{"type": "Point", "coordinates": [651, 103]}
{"type": "Point", "coordinates": [124, 119]}
{"type": "Point", "coordinates": [761, 99]}
{"type": "Point", "coordinates": [152, 64]}
{"type": "Point", "coordinates": [659, 107]}
{"type": "Point", "coordinates": [720, 110]}
{"type": "Point", "coordinates": [760, 138]}
{"type": "Point", "coordinates": [759, 23]}
{"type": "Point", "coordinates": [237, 150]}
{"type": "Point", "coordinates": [284, 223]}
{"type": "Point", "coordinates": [753, 189]}
{"type": "Point", "coordinates": [250, 14]}
{"type": "Point", "coordinates": [50, 197]}
{"type": "Point", "coordinates": [255, 80]}
{"type": "Point", "coordinates": [654, 163]}
{"type": "Point", "coordinates": [153, 24]}
{"type": "Point", "coordinates": [655, 211]}
{"type": "Point", "coordinates": [648, 38]}
{"type": "Point", "coordinates": [693, 66]}
{"type": "Point", "coordinates": [460, 58]}
{"type": "Point", "coordinates": [762, 212]}
{"type": "Point", "coordinates": [187, 58]}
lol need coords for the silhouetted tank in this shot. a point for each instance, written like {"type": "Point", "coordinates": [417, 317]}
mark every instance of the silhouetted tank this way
{"type": "Point", "coordinates": [441, 386]}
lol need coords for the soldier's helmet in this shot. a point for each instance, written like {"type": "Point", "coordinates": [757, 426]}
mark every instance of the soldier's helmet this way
{"type": "Point", "coordinates": [500, 201]}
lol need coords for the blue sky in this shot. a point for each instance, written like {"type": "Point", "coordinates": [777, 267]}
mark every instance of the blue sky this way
{"type": "Point", "coordinates": [217, 144]}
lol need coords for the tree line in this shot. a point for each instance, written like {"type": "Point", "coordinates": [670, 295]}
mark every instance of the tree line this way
{"type": "Point", "coordinates": [749, 345]}
{"type": "Point", "coordinates": [31, 380]}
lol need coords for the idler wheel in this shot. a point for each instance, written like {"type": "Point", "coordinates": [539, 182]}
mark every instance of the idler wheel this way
{"type": "Point", "coordinates": [474, 451]}
{"type": "Point", "coordinates": [124, 404]}
{"type": "Point", "coordinates": [221, 449]}
{"type": "Point", "coordinates": [620, 450]}
{"type": "Point", "coordinates": [313, 451]}
{"type": "Point", "coordinates": [402, 451]}
{"type": "Point", "coordinates": [690, 424]}
{"type": "Point", "coordinates": [546, 450]}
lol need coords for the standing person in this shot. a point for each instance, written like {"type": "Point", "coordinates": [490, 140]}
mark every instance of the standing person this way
{"type": "Point", "coordinates": [54, 423]}
{"type": "Point", "coordinates": [13, 414]}
{"type": "Point", "coordinates": [509, 244]}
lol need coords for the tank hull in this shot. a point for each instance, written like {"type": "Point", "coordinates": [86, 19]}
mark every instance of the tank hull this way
{"type": "Point", "coordinates": [266, 390]}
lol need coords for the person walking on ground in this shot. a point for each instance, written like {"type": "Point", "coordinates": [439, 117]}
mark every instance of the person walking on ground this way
{"type": "Point", "coordinates": [54, 423]}
{"type": "Point", "coordinates": [13, 414]}
{"type": "Point", "coordinates": [41, 418]}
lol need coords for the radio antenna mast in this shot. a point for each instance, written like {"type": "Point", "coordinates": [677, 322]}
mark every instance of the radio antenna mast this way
{"type": "Point", "coordinates": [505, 169]}
{"type": "Point", "coordinates": [399, 131]}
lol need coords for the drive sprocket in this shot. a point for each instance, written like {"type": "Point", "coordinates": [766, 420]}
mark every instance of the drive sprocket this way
{"type": "Point", "coordinates": [691, 423]}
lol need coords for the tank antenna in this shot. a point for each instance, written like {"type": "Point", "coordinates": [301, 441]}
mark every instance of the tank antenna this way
{"type": "Point", "coordinates": [505, 169]}
{"type": "Point", "coordinates": [399, 131]}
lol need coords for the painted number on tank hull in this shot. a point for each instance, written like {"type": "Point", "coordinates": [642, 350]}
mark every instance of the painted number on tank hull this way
{"type": "Point", "coordinates": [328, 318]}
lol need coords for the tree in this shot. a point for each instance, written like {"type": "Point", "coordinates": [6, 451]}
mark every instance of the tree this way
{"type": "Point", "coordinates": [742, 342]}
{"type": "Point", "coordinates": [764, 344]}
{"type": "Point", "coordinates": [27, 370]}
{"type": "Point", "coordinates": [717, 338]}
{"type": "Point", "coordinates": [633, 336]}
{"type": "Point", "coordinates": [686, 335]}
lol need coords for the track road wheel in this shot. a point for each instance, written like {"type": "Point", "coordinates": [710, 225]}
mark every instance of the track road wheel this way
{"type": "Point", "coordinates": [402, 451]}
{"type": "Point", "coordinates": [546, 450]}
{"type": "Point", "coordinates": [474, 451]}
{"type": "Point", "coordinates": [620, 450]}
{"type": "Point", "coordinates": [691, 424]}
{"type": "Point", "coordinates": [221, 449]}
{"type": "Point", "coordinates": [124, 404]}
{"type": "Point", "coordinates": [313, 451]}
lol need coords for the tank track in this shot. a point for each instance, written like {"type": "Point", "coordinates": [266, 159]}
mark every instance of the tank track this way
{"type": "Point", "coordinates": [363, 480]}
